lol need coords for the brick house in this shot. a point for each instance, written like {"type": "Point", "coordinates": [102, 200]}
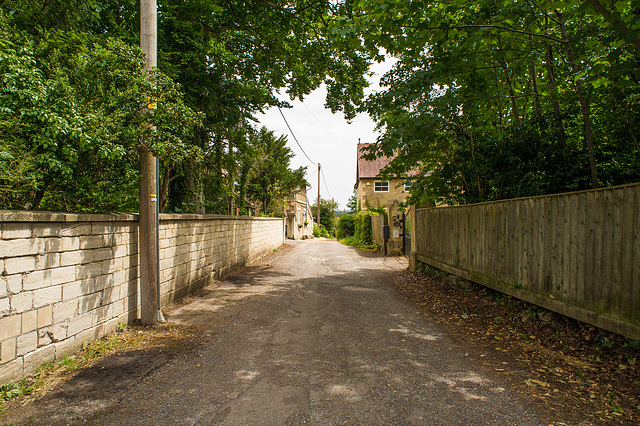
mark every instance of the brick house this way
{"type": "Point", "coordinates": [374, 192]}
{"type": "Point", "coordinates": [299, 218]}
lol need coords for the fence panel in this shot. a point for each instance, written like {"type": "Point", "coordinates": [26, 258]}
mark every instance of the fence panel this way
{"type": "Point", "coordinates": [577, 253]}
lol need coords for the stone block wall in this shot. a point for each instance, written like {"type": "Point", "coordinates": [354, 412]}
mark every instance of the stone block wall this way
{"type": "Point", "coordinates": [70, 278]}
{"type": "Point", "coordinates": [195, 249]}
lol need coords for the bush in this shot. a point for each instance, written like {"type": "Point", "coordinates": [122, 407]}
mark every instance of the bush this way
{"type": "Point", "coordinates": [321, 231]}
{"type": "Point", "coordinates": [363, 231]}
{"type": "Point", "coordinates": [346, 226]}
{"type": "Point", "coordinates": [353, 241]}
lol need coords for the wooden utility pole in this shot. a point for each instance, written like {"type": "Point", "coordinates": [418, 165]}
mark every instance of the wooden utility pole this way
{"type": "Point", "coordinates": [148, 183]}
{"type": "Point", "coordinates": [318, 207]}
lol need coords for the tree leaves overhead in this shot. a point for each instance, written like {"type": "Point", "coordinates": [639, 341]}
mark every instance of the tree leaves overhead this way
{"type": "Point", "coordinates": [229, 59]}
{"type": "Point", "coordinates": [497, 99]}
{"type": "Point", "coordinates": [72, 107]}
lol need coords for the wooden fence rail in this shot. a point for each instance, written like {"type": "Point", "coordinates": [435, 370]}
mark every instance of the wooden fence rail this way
{"type": "Point", "coordinates": [577, 253]}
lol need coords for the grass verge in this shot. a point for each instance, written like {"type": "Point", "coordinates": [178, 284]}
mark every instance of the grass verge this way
{"type": "Point", "coordinates": [125, 338]}
{"type": "Point", "coordinates": [353, 241]}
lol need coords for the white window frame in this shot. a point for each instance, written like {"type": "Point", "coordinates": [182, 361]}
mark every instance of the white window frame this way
{"type": "Point", "coordinates": [408, 184]}
{"type": "Point", "coordinates": [377, 185]}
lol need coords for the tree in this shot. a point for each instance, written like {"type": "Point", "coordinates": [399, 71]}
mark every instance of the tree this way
{"type": "Point", "coordinates": [352, 203]}
{"type": "Point", "coordinates": [269, 179]}
{"type": "Point", "coordinates": [71, 123]}
{"type": "Point", "coordinates": [499, 99]}
{"type": "Point", "coordinates": [229, 59]}
{"type": "Point", "coordinates": [327, 213]}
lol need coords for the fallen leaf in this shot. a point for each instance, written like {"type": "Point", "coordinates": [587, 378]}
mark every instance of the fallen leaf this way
{"type": "Point", "coordinates": [536, 382]}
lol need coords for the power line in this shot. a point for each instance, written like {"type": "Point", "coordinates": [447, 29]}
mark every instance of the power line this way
{"type": "Point", "coordinates": [294, 136]}
{"type": "Point", "coordinates": [325, 183]}
{"type": "Point", "coordinates": [327, 131]}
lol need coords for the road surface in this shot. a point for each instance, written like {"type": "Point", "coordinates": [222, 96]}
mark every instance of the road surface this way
{"type": "Point", "coordinates": [313, 334]}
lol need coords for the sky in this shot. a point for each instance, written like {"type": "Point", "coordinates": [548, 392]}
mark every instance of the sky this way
{"type": "Point", "coordinates": [326, 138]}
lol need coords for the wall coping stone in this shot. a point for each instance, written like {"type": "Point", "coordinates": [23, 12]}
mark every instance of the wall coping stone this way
{"type": "Point", "coordinates": [189, 216]}
{"type": "Point", "coordinates": [46, 216]}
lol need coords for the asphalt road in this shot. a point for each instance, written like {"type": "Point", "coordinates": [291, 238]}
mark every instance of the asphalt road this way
{"type": "Point", "coordinates": [314, 334]}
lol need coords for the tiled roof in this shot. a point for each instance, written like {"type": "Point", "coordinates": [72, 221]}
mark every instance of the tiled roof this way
{"type": "Point", "coordinates": [370, 169]}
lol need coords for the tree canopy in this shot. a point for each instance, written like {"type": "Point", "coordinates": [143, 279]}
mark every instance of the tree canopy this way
{"type": "Point", "coordinates": [496, 99]}
{"type": "Point", "coordinates": [220, 62]}
{"type": "Point", "coordinates": [489, 99]}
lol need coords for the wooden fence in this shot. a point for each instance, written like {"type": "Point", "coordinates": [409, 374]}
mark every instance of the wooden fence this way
{"type": "Point", "coordinates": [577, 254]}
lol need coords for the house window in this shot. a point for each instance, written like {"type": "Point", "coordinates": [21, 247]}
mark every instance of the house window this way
{"type": "Point", "coordinates": [408, 184]}
{"type": "Point", "coordinates": [381, 187]}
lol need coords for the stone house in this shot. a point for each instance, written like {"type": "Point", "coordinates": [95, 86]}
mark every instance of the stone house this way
{"type": "Point", "coordinates": [298, 215]}
{"type": "Point", "coordinates": [374, 192]}
{"type": "Point", "coordinates": [371, 190]}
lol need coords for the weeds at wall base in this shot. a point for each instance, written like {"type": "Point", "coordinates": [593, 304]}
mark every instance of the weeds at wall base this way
{"type": "Point", "coordinates": [125, 338]}
{"type": "Point", "coordinates": [355, 242]}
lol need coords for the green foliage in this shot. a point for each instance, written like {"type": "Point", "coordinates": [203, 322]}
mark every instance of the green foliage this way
{"type": "Point", "coordinates": [352, 203]}
{"type": "Point", "coordinates": [265, 178]}
{"type": "Point", "coordinates": [501, 99]}
{"type": "Point", "coordinates": [353, 241]}
{"type": "Point", "coordinates": [231, 59]}
{"type": "Point", "coordinates": [346, 226]}
{"type": "Point", "coordinates": [71, 120]}
{"type": "Point", "coordinates": [320, 231]}
{"type": "Point", "coordinates": [327, 214]}
{"type": "Point", "coordinates": [363, 230]}
{"type": "Point", "coordinates": [73, 98]}
{"type": "Point", "coordinates": [14, 390]}
{"type": "Point", "coordinates": [377, 210]}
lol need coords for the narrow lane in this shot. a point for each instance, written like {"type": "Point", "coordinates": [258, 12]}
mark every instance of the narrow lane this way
{"type": "Point", "coordinates": [315, 335]}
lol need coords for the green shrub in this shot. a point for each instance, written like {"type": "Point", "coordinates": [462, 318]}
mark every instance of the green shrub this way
{"type": "Point", "coordinates": [363, 231]}
{"type": "Point", "coordinates": [346, 226]}
{"type": "Point", "coordinates": [353, 241]}
{"type": "Point", "coordinates": [321, 231]}
{"type": "Point", "coordinates": [362, 236]}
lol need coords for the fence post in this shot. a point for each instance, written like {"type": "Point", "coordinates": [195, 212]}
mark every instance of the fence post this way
{"type": "Point", "coordinates": [414, 230]}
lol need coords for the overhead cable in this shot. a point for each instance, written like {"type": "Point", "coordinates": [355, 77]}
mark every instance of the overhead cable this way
{"type": "Point", "coordinates": [330, 135]}
{"type": "Point", "coordinates": [325, 183]}
{"type": "Point", "coordinates": [294, 137]}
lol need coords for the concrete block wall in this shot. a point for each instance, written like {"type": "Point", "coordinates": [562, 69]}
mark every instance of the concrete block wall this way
{"type": "Point", "coordinates": [70, 278]}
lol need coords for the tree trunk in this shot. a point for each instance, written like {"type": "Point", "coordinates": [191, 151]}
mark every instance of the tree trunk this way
{"type": "Point", "coordinates": [584, 103]}
{"type": "Point", "coordinates": [512, 95]}
{"type": "Point", "coordinates": [197, 197]}
{"type": "Point", "coordinates": [499, 95]}
{"type": "Point", "coordinates": [164, 188]}
{"type": "Point", "coordinates": [536, 92]}
{"type": "Point", "coordinates": [562, 141]}
{"type": "Point", "coordinates": [622, 28]}
{"type": "Point", "coordinates": [38, 198]}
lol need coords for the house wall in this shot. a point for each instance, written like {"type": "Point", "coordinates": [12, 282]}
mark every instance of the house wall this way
{"type": "Point", "coordinates": [391, 202]}
{"type": "Point", "coordinates": [295, 216]}
{"type": "Point", "coordinates": [577, 254]}
{"type": "Point", "coordinates": [69, 278]}
{"type": "Point", "coordinates": [365, 193]}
